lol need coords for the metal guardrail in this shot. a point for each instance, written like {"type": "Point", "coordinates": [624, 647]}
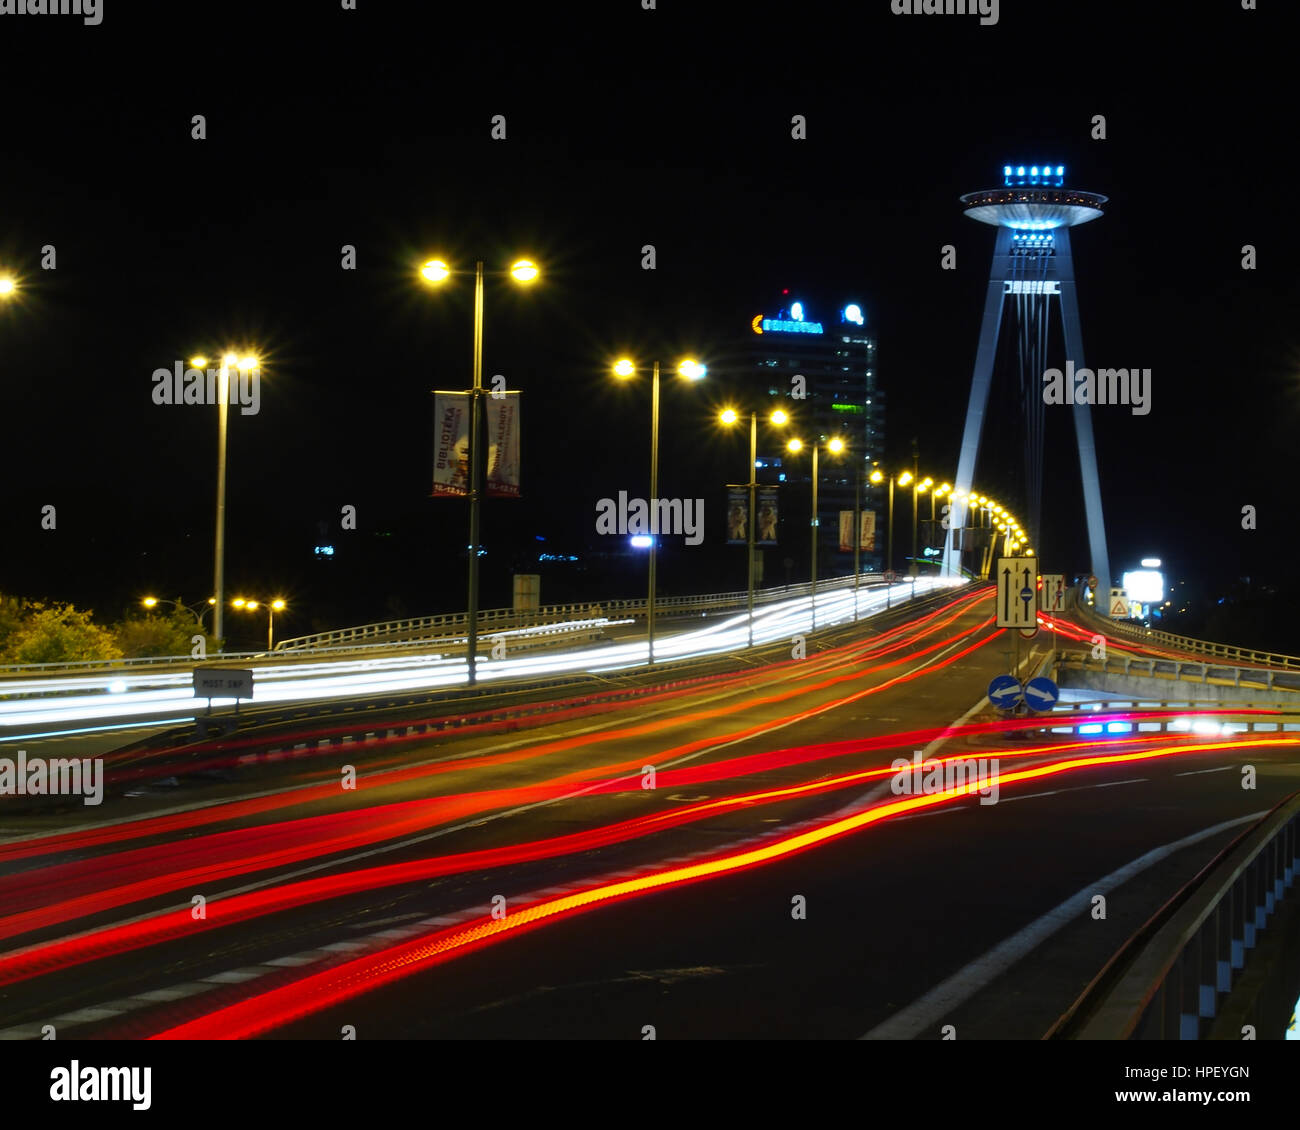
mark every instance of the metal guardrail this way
{"type": "Point", "coordinates": [1139, 634]}
{"type": "Point", "coordinates": [1267, 677]}
{"type": "Point", "coordinates": [343, 641]}
{"type": "Point", "coordinates": [1167, 982]}
{"type": "Point", "coordinates": [634, 607]}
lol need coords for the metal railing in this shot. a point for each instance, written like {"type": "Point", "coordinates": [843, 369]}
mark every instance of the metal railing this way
{"type": "Point", "coordinates": [1139, 634]}
{"type": "Point", "coordinates": [342, 641]}
{"type": "Point", "coordinates": [712, 602]}
{"type": "Point", "coordinates": [1265, 678]}
{"type": "Point", "coordinates": [1168, 980]}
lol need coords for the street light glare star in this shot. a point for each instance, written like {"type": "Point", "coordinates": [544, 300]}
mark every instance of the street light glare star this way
{"type": "Point", "coordinates": [728, 416]}
{"type": "Point", "coordinates": [524, 271]}
{"type": "Point", "coordinates": [624, 368]}
{"type": "Point", "coordinates": [435, 271]}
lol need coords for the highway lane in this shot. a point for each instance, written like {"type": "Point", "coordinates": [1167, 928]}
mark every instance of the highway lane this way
{"type": "Point", "coordinates": [810, 689]}
{"type": "Point", "coordinates": [478, 997]}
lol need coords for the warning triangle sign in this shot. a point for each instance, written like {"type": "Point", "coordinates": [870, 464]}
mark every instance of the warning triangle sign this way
{"type": "Point", "coordinates": [1118, 606]}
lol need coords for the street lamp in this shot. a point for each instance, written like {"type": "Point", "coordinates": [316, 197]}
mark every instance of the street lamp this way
{"type": "Point", "coordinates": [8, 288]}
{"type": "Point", "coordinates": [152, 602]}
{"type": "Point", "coordinates": [625, 369]}
{"type": "Point", "coordinates": [435, 272]}
{"type": "Point", "coordinates": [834, 445]}
{"type": "Point", "coordinates": [779, 418]}
{"type": "Point", "coordinates": [271, 606]}
{"type": "Point", "coordinates": [248, 364]}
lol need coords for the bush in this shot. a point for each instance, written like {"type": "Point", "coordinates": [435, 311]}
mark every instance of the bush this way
{"type": "Point", "coordinates": [58, 633]}
{"type": "Point", "coordinates": [149, 636]}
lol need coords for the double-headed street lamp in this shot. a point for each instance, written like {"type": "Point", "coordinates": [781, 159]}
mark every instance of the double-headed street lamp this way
{"type": "Point", "coordinates": [780, 419]}
{"type": "Point", "coordinates": [834, 445]}
{"type": "Point", "coordinates": [689, 370]}
{"type": "Point", "coordinates": [435, 272]}
{"type": "Point", "coordinates": [152, 602]}
{"type": "Point", "coordinates": [245, 364]}
{"type": "Point", "coordinates": [271, 606]}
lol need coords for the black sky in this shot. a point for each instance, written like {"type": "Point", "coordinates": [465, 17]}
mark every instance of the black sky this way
{"type": "Point", "coordinates": [328, 127]}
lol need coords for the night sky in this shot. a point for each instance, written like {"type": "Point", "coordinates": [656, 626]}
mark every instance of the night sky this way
{"type": "Point", "coordinates": [328, 127]}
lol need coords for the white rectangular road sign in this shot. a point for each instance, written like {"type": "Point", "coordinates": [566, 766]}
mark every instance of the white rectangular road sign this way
{"type": "Point", "coordinates": [1118, 605]}
{"type": "Point", "coordinates": [1053, 592]}
{"type": "Point", "coordinates": [222, 682]}
{"type": "Point", "coordinates": [1017, 594]}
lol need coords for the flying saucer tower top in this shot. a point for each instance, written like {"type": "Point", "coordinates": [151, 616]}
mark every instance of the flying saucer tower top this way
{"type": "Point", "coordinates": [1033, 212]}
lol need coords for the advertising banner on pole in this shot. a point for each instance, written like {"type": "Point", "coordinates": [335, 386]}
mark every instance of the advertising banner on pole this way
{"type": "Point", "coordinates": [866, 530]}
{"type": "Point", "coordinates": [503, 445]}
{"type": "Point", "coordinates": [766, 514]}
{"type": "Point", "coordinates": [450, 444]}
{"type": "Point", "coordinates": [737, 515]}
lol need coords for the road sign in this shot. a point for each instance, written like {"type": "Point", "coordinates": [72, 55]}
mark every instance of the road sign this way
{"type": "Point", "coordinates": [1053, 592]}
{"type": "Point", "coordinates": [890, 576]}
{"type": "Point", "coordinates": [1041, 693]}
{"type": "Point", "coordinates": [222, 682]}
{"type": "Point", "coordinates": [1029, 633]}
{"type": "Point", "coordinates": [1005, 691]}
{"type": "Point", "coordinates": [1092, 583]}
{"type": "Point", "coordinates": [1017, 599]}
{"type": "Point", "coordinates": [1118, 606]}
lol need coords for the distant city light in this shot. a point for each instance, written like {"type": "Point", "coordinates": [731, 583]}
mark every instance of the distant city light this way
{"type": "Point", "coordinates": [796, 312]}
{"type": "Point", "coordinates": [853, 313]}
{"type": "Point", "coordinates": [1150, 563]}
{"type": "Point", "coordinates": [324, 551]}
{"type": "Point", "coordinates": [641, 541]}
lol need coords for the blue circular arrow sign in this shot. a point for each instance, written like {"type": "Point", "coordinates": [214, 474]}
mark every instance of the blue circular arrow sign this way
{"type": "Point", "coordinates": [1005, 691]}
{"type": "Point", "coordinates": [1041, 693]}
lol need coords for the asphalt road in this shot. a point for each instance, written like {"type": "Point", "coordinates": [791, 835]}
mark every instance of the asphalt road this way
{"type": "Point", "coordinates": [964, 914]}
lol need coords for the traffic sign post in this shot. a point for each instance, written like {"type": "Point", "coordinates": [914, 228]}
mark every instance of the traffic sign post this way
{"type": "Point", "coordinates": [222, 682]}
{"type": "Point", "coordinates": [1017, 599]}
{"type": "Point", "coordinates": [1118, 604]}
{"type": "Point", "coordinates": [1005, 691]}
{"type": "Point", "coordinates": [1041, 694]}
{"type": "Point", "coordinates": [1053, 592]}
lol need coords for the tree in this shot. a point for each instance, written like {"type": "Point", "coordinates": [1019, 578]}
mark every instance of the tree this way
{"type": "Point", "coordinates": [12, 611]}
{"type": "Point", "coordinates": [147, 636]}
{"type": "Point", "coordinates": [58, 633]}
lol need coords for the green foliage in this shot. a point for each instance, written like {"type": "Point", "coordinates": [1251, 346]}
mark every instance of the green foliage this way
{"type": "Point", "coordinates": [148, 636]}
{"type": "Point", "coordinates": [57, 633]}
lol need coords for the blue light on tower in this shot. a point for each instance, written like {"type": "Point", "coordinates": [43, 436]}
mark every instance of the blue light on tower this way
{"type": "Point", "coordinates": [796, 312]}
{"type": "Point", "coordinates": [853, 313]}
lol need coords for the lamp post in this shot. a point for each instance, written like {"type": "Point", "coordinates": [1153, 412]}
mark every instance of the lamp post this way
{"type": "Point", "coordinates": [779, 418]}
{"type": "Point", "coordinates": [435, 272]}
{"type": "Point", "coordinates": [690, 370]}
{"type": "Point", "coordinates": [247, 364]}
{"type": "Point", "coordinates": [271, 606]}
{"type": "Point", "coordinates": [834, 445]}
{"type": "Point", "coordinates": [153, 602]}
{"type": "Point", "coordinates": [8, 287]}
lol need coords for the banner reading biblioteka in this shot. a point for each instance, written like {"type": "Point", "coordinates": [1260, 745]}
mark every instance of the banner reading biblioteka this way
{"type": "Point", "coordinates": [451, 413]}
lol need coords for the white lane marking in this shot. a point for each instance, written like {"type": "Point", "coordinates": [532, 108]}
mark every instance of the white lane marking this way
{"type": "Point", "coordinates": [1074, 789]}
{"type": "Point", "coordinates": [940, 1002]}
{"type": "Point", "coordinates": [1197, 772]}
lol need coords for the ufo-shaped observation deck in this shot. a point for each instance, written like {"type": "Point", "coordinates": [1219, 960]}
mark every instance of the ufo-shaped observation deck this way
{"type": "Point", "coordinates": [1033, 199]}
